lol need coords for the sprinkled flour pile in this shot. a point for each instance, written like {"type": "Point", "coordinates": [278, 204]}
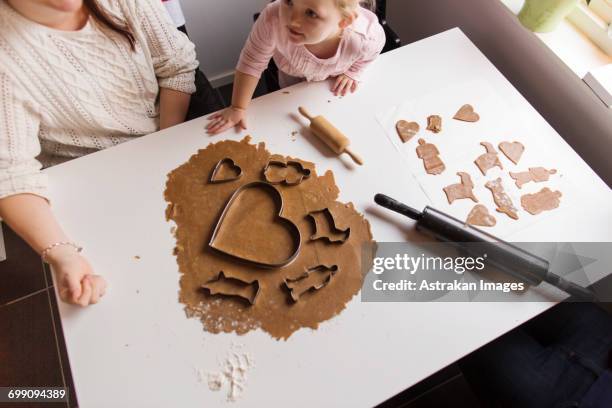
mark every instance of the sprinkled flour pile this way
{"type": "Point", "coordinates": [233, 375]}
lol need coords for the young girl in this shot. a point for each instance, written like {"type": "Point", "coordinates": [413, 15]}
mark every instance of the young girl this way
{"type": "Point", "coordinates": [308, 39]}
{"type": "Point", "coordinates": [78, 76]}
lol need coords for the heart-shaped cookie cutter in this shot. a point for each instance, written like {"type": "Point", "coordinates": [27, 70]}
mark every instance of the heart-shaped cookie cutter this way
{"type": "Point", "coordinates": [226, 160]}
{"type": "Point", "coordinates": [278, 199]}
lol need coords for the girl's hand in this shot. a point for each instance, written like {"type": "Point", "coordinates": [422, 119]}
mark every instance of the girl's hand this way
{"type": "Point", "coordinates": [75, 279]}
{"type": "Point", "coordinates": [226, 119]}
{"type": "Point", "coordinates": [343, 84]}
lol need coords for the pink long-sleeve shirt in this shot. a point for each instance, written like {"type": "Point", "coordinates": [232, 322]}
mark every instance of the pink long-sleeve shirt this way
{"type": "Point", "coordinates": [361, 43]}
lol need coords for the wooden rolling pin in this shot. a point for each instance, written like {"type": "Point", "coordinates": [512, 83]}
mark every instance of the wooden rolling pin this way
{"type": "Point", "coordinates": [331, 136]}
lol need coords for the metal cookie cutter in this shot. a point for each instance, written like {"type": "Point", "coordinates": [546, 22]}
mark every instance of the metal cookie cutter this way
{"type": "Point", "coordinates": [332, 227]}
{"type": "Point", "coordinates": [304, 172]}
{"type": "Point", "coordinates": [293, 230]}
{"type": "Point", "coordinates": [227, 161]}
{"type": "Point", "coordinates": [241, 288]}
{"type": "Point", "coordinates": [292, 284]}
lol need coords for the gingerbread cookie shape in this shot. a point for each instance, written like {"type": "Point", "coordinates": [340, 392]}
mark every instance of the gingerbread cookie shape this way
{"type": "Point", "coordinates": [488, 160]}
{"type": "Point", "coordinates": [313, 279]}
{"type": "Point", "coordinates": [479, 215]}
{"type": "Point", "coordinates": [512, 150]}
{"type": "Point", "coordinates": [535, 174]}
{"type": "Point", "coordinates": [461, 190]}
{"type": "Point", "coordinates": [434, 123]}
{"type": "Point", "coordinates": [467, 114]}
{"type": "Point", "coordinates": [502, 200]}
{"type": "Point", "coordinates": [543, 200]}
{"type": "Point", "coordinates": [430, 155]}
{"type": "Point", "coordinates": [406, 130]}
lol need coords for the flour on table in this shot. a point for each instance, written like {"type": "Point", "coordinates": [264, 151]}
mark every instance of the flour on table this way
{"type": "Point", "coordinates": [215, 381]}
{"type": "Point", "coordinates": [233, 375]}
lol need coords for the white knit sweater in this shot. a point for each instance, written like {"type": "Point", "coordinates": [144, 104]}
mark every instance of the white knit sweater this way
{"type": "Point", "coordinates": [64, 94]}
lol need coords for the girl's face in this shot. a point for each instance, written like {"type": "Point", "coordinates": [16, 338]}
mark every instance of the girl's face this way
{"type": "Point", "coordinates": [311, 21]}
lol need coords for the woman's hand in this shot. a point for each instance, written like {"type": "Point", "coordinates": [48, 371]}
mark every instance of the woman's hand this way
{"type": "Point", "coordinates": [30, 216]}
{"type": "Point", "coordinates": [76, 282]}
{"type": "Point", "coordinates": [226, 119]}
{"type": "Point", "coordinates": [343, 84]}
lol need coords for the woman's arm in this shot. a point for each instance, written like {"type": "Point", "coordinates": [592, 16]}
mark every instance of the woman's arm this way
{"type": "Point", "coordinates": [31, 218]}
{"type": "Point", "coordinates": [172, 54]}
{"type": "Point", "coordinates": [22, 188]}
{"type": "Point", "coordinates": [173, 107]}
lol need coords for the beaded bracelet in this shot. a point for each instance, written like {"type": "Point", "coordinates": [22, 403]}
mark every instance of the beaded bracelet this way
{"type": "Point", "coordinates": [46, 251]}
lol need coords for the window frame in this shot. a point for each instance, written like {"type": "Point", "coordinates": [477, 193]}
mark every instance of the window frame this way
{"type": "Point", "coordinates": [593, 19]}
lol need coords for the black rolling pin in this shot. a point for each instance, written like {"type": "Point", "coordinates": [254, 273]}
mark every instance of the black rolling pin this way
{"type": "Point", "coordinates": [510, 259]}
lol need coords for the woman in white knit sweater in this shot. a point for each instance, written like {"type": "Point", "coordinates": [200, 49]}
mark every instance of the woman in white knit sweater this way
{"type": "Point", "coordinates": [77, 76]}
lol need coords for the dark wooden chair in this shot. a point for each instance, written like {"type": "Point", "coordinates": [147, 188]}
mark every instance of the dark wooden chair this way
{"type": "Point", "coordinates": [206, 99]}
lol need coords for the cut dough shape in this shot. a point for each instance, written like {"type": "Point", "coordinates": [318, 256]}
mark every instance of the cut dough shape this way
{"type": "Point", "coordinates": [461, 190]}
{"type": "Point", "coordinates": [467, 114]}
{"type": "Point", "coordinates": [430, 155]}
{"type": "Point", "coordinates": [535, 174]}
{"type": "Point", "coordinates": [313, 279]}
{"type": "Point", "coordinates": [488, 160]}
{"type": "Point", "coordinates": [543, 200]}
{"type": "Point", "coordinates": [290, 172]}
{"type": "Point", "coordinates": [434, 123]}
{"type": "Point", "coordinates": [480, 216]}
{"type": "Point", "coordinates": [502, 200]}
{"type": "Point", "coordinates": [325, 227]}
{"type": "Point", "coordinates": [225, 170]}
{"type": "Point", "coordinates": [406, 130]}
{"type": "Point", "coordinates": [512, 150]}
{"type": "Point", "coordinates": [232, 287]}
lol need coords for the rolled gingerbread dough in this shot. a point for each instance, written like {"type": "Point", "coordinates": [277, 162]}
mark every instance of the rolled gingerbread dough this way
{"type": "Point", "coordinates": [195, 206]}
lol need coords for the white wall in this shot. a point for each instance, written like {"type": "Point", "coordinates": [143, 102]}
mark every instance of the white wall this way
{"type": "Point", "coordinates": [219, 29]}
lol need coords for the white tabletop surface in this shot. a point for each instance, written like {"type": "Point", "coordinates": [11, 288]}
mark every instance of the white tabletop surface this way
{"type": "Point", "coordinates": [137, 349]}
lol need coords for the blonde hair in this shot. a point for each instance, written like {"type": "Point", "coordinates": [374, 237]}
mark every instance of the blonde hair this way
{"type": "Point", "coordinates": [349, 6]}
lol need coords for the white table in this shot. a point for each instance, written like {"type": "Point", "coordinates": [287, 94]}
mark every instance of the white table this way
{"type": "Point", "coordinates": [137, 348]}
